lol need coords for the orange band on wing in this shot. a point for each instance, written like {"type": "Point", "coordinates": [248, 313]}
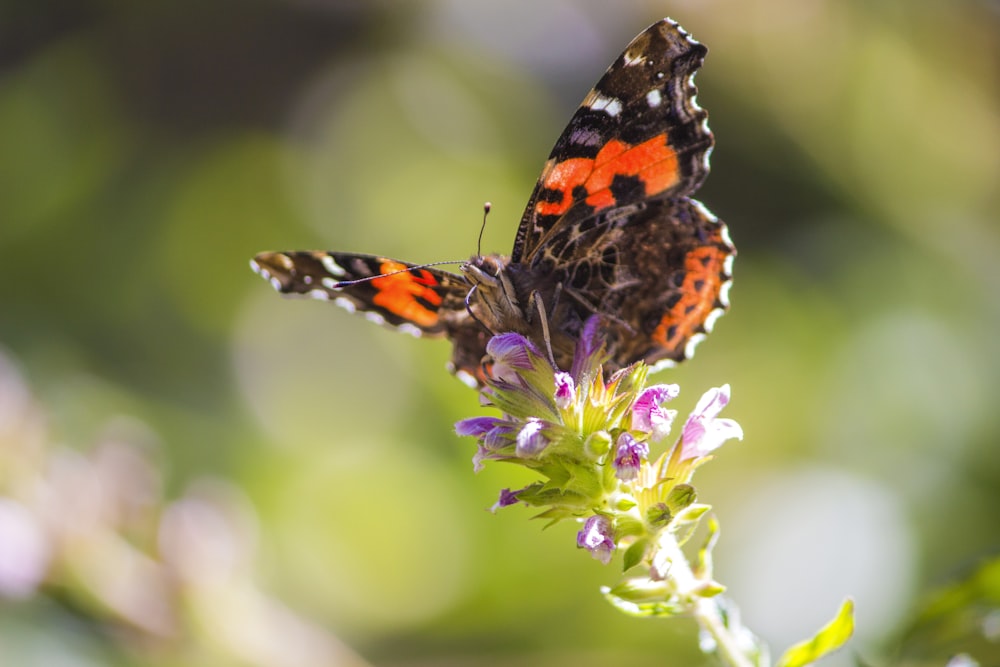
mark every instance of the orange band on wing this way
{"type": "Point", "coordinates": [653, 161]}
{"type": "Point", "coordinates": [700, 290]}
{"type": "Point", "coordinates": [398, 293]}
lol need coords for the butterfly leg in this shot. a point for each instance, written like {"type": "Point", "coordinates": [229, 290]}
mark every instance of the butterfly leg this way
{"type": "Point", "coordinates": [543, 319]}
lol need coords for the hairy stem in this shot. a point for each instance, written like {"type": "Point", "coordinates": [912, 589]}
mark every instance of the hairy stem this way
{"type": "Point", "coordinates": [704, 610]}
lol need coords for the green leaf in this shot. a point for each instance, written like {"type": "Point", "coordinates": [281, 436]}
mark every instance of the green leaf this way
{"type": "Point", "coordinates": [635, 553]}
{"type": "Point", "coordinates": [960, 617]}
{"type": "Point", "coordinates": [830, 638]}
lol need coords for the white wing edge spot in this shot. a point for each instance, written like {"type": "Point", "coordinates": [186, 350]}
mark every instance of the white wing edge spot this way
{"type": "Point", "coordinates": [318, 294]}
{"type": "Point", "coordinates": [692, 344]}
{"type": "Point", "coordinates": [724, 293]}
{"type": "Point", "coordinates": [346, 304]}
{"type": "Point", "coordinates": [727, 263]}
{"type": "Point", "coordinates": [410, 330]}
{"type": "Point", "coordinates": [375, 318]}
{"type": "Point", "coordinates": [465, 378]}
{"type": "Point", "coordinates": [658, 366]}
{"type": "Point", "coordinates": [712, 318]}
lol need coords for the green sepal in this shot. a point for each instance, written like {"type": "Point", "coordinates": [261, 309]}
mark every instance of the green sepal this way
{"type": "Point", "coordinates": [659, 516]}
{"type": "Point", "coordinates": [830, 637]}
{"type": "Point", "coordinates": [597, 444]}
{"type": "Point", "coordinates": [646, 608]}
{"type": "Point", "coordinates": [640, 589]}
{"type": "Point", "coordinates": [684, 525]}
{"type": "Point", "coordinates": [625, 503]}
{"type": "Point", "coordinates": [708, 589]}
{"type": "Point", "coordinates": [703, 563]}
{"type": "Point", "coordinates": [681, 497]}
{"type": "Point", "coordinates": [635, 554]}
{"type": "Point", "coordinates": [524, 403]}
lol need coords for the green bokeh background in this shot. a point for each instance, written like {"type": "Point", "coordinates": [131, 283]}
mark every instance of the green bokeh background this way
{"type": "Point", "coordinates": [149, 149]}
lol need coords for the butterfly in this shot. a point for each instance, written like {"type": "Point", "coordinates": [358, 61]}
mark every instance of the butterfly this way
{"type": "Point", "coordinates": [609, 230]}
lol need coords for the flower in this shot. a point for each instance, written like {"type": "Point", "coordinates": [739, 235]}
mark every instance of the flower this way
{"type": "Point", "coordinates": [565, 392]}
{"type": "Point", "coordinates": [648, 416]}
{"type": "Point", "coordinates": [597, 538]}
{"type": "Point", "coordinates": [506, 499]}
{"type": "Point", "coordinates": [704, 432]}
{"type": "Point", "coordinates": [588, 440]}
{"type": "Point", "coordinates": [629, 455]}
{"type": "Point", "coordinates": [530, 440]}
{"type": "Point", "coordinates": [511, 352]}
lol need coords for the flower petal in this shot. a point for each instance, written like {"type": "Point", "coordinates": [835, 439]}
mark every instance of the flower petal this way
{"type": "Point", "coordinates": [512, 349]}
{"type": "Point", "coordinates": [506, 499]}
{"type": "Point", "coordinates": [629, 457]}
{"type": "Point", "coordinates": [703, 432]}
{"type": "Point", "coordinates": [565, 392]}
{"type": "Point", "coordinates": [476, 427]}
{"type": "Point", "coordinates": [530, 439]}
{"type": "Point", "coordinates": [596, 537]}
{"type": "Point", "coordinates": [648, 416]}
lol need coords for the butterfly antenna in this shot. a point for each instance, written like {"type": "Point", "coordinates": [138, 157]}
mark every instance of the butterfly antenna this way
{"type": "Point", "coordinates": [479, 244]}
{"type": "Point", "coordinates": [345, 283]}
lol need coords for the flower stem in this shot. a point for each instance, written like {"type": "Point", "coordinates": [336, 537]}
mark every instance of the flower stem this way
{"type": "Point", "coordinates": [704, 610]}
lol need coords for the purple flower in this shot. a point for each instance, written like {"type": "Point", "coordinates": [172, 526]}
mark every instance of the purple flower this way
{"type": "Point", "coordinates": [530, 440]}
{"type": "Point", "coordinates": [629, 457]}
{"type": "Point", "coordinates": [476, 426]}
{"type": "Point", "coordinates": [506, 499]}
{"type": "Point", "coordinates": [648, 416]}
{"type": "Point", "coordinates": [704, 432]}
{"type": "Point", "coordinates": [511, 352]}
{"type": "Point", "coordinates": [597, 538]}
{"type": "Point", "coordinates": [565, 390]}
{"type": "Point", "coordinates": [494, 436]}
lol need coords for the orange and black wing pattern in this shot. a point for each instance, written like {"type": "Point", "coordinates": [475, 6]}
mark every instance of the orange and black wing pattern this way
{"type": "Point", "coordinates": [414, 300]}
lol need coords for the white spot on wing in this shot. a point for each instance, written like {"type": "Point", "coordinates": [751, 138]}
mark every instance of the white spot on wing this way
{"type": "Point", "coordinates": [318, 294]}
{"type": "Point", "coordinates": [375, 318]}
{"type": "Point", "coordinates": [609, 105]}
{"type": "Point", "coordinates": [466, 378]}
{"type": "Point", "coordinates": [632, 59]}
{"type": "Point", "coordinates": [346, 304]}
{"type": "Point", "coordinates": [692, 344]}
{"type": "Point", "coordinates": [329, 283]}
{"type": "Point", "coordinates": [661, 364]}
{"type": "Point", "coordinates": [654, 98]}
{"type": "Point", "coordinates": [724, 292]}
{"type": "Point", "coordinates": [410, 329]}
{"type": "Point", "coordinates": [712, 318]}
{"type": "Point", "coordinates": [330, 265]}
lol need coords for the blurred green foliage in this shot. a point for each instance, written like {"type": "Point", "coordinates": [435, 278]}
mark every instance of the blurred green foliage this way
{"type": "Point", "coordinates": [149, 149]}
